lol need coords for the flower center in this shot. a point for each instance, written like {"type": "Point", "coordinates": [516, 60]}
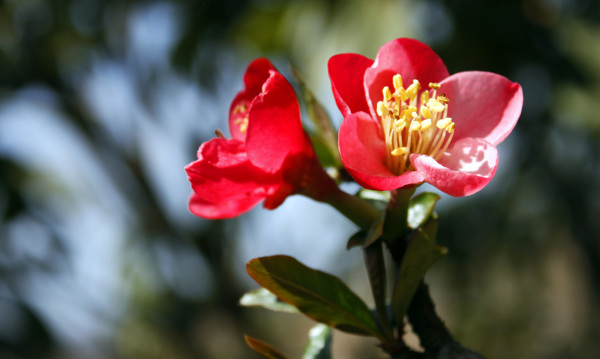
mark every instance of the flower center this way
{"type": "Point", "coordinates": [241, 112]}
{"type": "Point", "coordinates": [413, 123]}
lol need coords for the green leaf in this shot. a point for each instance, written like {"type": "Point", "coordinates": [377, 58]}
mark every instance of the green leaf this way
{"type": "Point", "coordinates": [421, 208]}
{"type": "Point", "coordinates": [420, 255]}
{"type": "Point", "coordinates": [264, 349]}
{"type": "Point", "coordinates": [263, 298]}
{"type": "Point", "coordinates": [318, 295]}
{"type": "Point", "coordinates": [319, 343]}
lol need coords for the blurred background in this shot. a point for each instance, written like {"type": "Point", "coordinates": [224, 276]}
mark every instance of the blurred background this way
{"type": "Point", "coordinates": [102, 104]}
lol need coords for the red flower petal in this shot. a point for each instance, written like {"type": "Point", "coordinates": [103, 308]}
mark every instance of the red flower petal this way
{"type": "Point", "coordinates": [254, 78]}
{"type": "Point", "coordinates": [483, 105]}
{"type": "Point", "coordinates": [204, 209]}
{"type": "Point", "coordinates": [225, 183]}
{"type": "Point", "coordinates": [463, 170]}
{"type": "Point", "coordinates": [362, 151]}
{"type": "Point", "coordinates": [410, 58]}
{"type": "Point", "coordinates": [274, 129]}
{"type": "Point", "coordinates": [346, 72]}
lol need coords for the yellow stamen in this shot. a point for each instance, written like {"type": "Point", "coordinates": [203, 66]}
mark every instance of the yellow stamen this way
{"type": "Point", "coordinates": [397, 79]}
{"type": "Point", "coordinates": [415, 125]}
{"type": "Point", "coordinates": [435, 105]}
{"type": "Point", "coordinates": [241, 108]}
{"type": "Point", "coordinates": [399, 151]}
{"type": "Point", "coordinates": [425, 124]}
{"type": "Point", "coordinates": [443, 99]}
{"type": "Point", "coordinates": [424, 97]}
{"type": "Point", "coordinates": [425, 112]}
{"type": "Point", "coordinates": [243, 123]}
{"type": "Point", "coordinates": [403, 94]}
{"type": "Point", "coordinates": [381, 108]}
{"type": "Point", "coordinates": [413, 89]}
{"type": "Point", "coordinates": [443, 123]}
{"type": "Point", "coordinates": [387, 94]}
{"type": "Point", "coordinates": [413, 121]}
{"type": "Point", "coordinates": [399, 124]}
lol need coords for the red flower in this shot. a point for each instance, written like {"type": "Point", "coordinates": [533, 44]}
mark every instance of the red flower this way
{"type": "Point", "coordinates": [439, 129]}
{"type": "Point", "coordinates": [269, 157]}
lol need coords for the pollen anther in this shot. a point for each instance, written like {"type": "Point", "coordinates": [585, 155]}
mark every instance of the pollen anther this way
{"type": "Point", "coordinates": [412, 90]}
{"type": "Point", "coordinates": [444, 123]}
{"type": "Point", "coordinates": [243, 123]}
{"type": "Point", "coordinates": [425, 124]}
{"type": "Point", "coordinates": [399, 151]}
{"type": "Point", "coordinates": [387, 94]}
{"type": "Point", "coordinates": [381, 108]}
{"type": "Point", "coordinates": [435, 105]}
{"type": "Point", "coordinates": [443, 99]}
{"type": "Point", "coordinates": [242, 107]}
{"type": "Point", "coordinates": [425, 112]}
{"type": "Point", "coordinates": [397, 79]}
{"type": "Point", "coordinates": [415, 126]}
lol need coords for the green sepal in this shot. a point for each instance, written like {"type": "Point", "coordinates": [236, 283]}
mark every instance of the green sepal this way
{"type": "Point", "coordinates": [320, 296]}
{"type": "Point", "coordinates": [319, 343]}
{"type": "Point", "coordinates": [263, 349]}
{"type": "Point", "coordinates": [323, 150]}
{"type": "Point", "coordinates": [379, 199]}
{"type": "Point", "coordinates": [325, 133]}
{"type": "Point", "coordinates": [438, 253]}
{"type": "Point", "coordinates": [364, 239]}
{"type": "Point", "coordinates": [421, 253]}
{"type": "Point", "coordinates": [356, 240]}
{"type": "Point", "coordinates": [261, 297]}
{"type": "Point", "coordinates": [420, 209]}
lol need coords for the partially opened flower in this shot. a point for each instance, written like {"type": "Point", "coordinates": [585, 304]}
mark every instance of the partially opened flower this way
{"type": "Point", "coordinates": [406, 121]}
{"type": "Point", "coordinates": [269, 157]}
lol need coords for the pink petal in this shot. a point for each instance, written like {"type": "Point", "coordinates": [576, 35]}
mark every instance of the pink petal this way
{"type": "Point", "coordinates": [254, 78]}
{"type": "Point", "coordinates": [274, 129]}
{"type": "Point", "coordinates": [410, 58]}
{"type": "Point", "coordinates": [362, 150]}
{"type": "Point", "coordinates": [346, 72]}
{"type": "Point", "coordinates": [225, 183]}
{"type": "Point", "coordinates": [463, 170]}
{"type": "Point", "coordinates": [483, 105]}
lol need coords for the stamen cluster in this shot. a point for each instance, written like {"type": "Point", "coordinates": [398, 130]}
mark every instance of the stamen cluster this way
{"type": "Point", "coordinates": [241, 109]}
{"type": "Point", "coordinates": [413, 123]}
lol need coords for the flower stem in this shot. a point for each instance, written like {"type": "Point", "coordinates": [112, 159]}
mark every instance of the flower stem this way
{"type": "Point", "coordinates": [432, 332]}
{"type": "Point", "coordinates": [396, 224]}
{"type": "Point", "coordinates": [359, 211]}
